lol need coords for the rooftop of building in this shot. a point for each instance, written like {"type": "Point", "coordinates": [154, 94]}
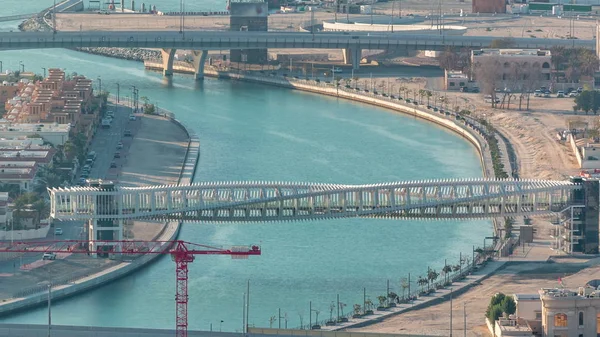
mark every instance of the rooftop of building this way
{"type": "Point", "coordinates": [456, 74]}
{"type": "Point", "coordinates": [527, 297]}
{"type": "Point", "coordinates": [562, 293]}
{"type": "Point", "coordinates": [34, 127]}
{"type": "Point", "coordinates": [511, 52]}
{"type": "Point", "coordinates": [513, 324]}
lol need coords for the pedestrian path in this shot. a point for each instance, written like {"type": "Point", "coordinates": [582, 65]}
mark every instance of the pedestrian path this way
{"type": "Point", "coordinates": [439, 296]}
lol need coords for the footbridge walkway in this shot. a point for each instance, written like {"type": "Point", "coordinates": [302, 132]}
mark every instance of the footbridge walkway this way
{"type": "Point", "coordinates": [277, 201]}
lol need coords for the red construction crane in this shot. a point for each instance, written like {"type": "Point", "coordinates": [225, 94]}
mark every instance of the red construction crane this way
{"type": "Point", "coordinates": [181, 252]}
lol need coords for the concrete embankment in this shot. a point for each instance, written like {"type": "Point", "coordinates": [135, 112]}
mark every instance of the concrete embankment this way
{"type": "Point", "coordinates": [38, 295]}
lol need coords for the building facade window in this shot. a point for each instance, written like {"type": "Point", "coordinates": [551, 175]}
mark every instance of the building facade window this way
{"type": "Point", "coordinates": [560, 320]}
{"type": "Point", "coordinates": [581, 319]}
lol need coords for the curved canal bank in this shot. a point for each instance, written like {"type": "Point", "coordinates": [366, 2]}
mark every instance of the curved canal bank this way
{"type": "Point", "coordinates": [61, 289]}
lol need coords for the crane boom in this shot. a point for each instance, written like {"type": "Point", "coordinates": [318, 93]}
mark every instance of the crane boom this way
{"type": "Point", "coordinates": [134, 247]}
{"type": "Point", "coordinates": [181, 252]}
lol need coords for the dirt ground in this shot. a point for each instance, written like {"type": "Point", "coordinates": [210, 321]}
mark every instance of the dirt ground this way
{"type": "Point", "coordinates": [525, 278]}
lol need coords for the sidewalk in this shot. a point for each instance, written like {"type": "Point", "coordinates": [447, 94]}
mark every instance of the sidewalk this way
{"type": "Point", "coordinates": [439, 296]}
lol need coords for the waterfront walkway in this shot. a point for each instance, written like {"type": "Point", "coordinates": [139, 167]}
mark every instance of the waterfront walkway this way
{"type": "Point", "coordinates": [438, 296]}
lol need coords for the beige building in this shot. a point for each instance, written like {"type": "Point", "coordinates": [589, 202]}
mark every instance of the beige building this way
{"type": "Point", "coordinates": [557, 312]}
{"type": "Point", "coordinates": [510, 67]}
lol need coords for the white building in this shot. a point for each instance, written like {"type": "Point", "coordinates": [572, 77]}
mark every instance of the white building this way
{"type": "Point", "coordinates": [56, 134]}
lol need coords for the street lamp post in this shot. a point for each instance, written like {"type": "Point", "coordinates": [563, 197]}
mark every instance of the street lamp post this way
{"type": "Point", "coordinates": [44, 72]}
{"type": "Point", "coordinates": [221, 325]}
{"type": "Point", "coordinates": [54, 18]}
{"type": "Point", "coordinates": [0, 66]}
{"type": "Point", "coordinates": [49, 309]}
{"type": "Point", "coordinates": [22, 66]}
{"type": "Point", "coordinates": [118, 91]}
{"type": "Point", "coordinates": [99, 86]}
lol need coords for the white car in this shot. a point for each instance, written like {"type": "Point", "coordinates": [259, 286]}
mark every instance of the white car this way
{"type": "Point", "coordinates": [337, 70]}
{"type": "Point", "coordinates": [58, 231]}
{"type": "Point", "coordinates": [49, 256]}
{"type": "Point", "coordinates": [132, 117]}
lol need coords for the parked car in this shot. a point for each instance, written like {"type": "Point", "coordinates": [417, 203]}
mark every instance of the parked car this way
{"type": "Point", "coordinates": [132, 117]}
{"type": "Point", "coordinates": [337, 70]}
{"type": "Point", "coordinates": [117, 154]}
{"type": "Point", "coordinates": [127, 133]}
{"type": "Point", "coordinates": [119, 146]}
{"type": "Point", "coordinates": [113, 165]}
{"type": "Point", "coordinates": [58, 231]}
{"type": "Point", "coordinates": [547, 94]}
{"type": "Point", "coordinates": [49, 256]}
{"type": "Point", "coordinates": [560, 94]}
{"type": "Point", "coordinates": [537, 93]}
{"type": "Point", "coordinates": [573, 94]}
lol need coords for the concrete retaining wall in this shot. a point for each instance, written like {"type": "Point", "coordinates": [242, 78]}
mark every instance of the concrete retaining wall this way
{"type": "Point", "coordinates": [29, 234]}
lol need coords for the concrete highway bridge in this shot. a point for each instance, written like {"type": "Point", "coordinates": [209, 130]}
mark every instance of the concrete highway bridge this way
{"type": "Point", "coordinates": [352, 43]}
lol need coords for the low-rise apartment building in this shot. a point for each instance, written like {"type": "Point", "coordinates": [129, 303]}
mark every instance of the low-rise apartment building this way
{"type": "Point", "coordinates": [514, 68]}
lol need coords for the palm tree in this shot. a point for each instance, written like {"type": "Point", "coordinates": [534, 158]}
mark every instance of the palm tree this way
{"type": "Point", "coordinates": [432, 275]}
{"type": "Point", "coordinates": [41, 207]}
{"type": "Point", "coordinates": [392, 296]}
{"type": "Point", "coordinates": [368, 305]}
{"type": "Point", "coordinates": [404, 284]}
{"type": "Point", "coordinates": [422, 282]}
{"type": "Point", "coordinates": [446, 270]}
{"type": "Point", "coordinates": [428, 94]}
{"type": "Point", "coordinates": [18, 208]}
{"type": "Point", "coordinates": [382, 299]}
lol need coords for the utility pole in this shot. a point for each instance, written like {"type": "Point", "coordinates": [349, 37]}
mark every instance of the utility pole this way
{"type": "Point", "coordinates": [335, 10]}
{"type": "Point", "coordinates": [338, 307]}
{"type": "Point", "coordinates": [118, 93]}
{"type": "Point", "coordinates": [450, 312]}
{"type": "Point", "coordinates": [54, 18]}
{"type": "Point", "coordinates": [244, 314]}
{"type": "Point", "coordinates": [247, 304]}
{"type": "Point", "coordinates": [310, 315]}
{"type": "Point", "coordinates": [49, 309]}
{"type": "Point", "coordinates": [465, 319]}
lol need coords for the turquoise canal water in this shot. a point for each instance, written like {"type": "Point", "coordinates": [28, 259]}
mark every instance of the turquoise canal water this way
{"type": "Point", "coordinates": [253, 132]}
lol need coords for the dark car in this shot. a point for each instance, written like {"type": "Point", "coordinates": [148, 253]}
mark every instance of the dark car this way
{"type": "Point", "coordinates": [113, 165]}
{"type": "Point", "coordinates": [127, 133]}
{"type": "Point", "coordinates": [117, 154]}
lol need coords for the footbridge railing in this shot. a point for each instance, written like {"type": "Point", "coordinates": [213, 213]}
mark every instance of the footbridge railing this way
{"type": "Point", "coordinates": [278, 201]}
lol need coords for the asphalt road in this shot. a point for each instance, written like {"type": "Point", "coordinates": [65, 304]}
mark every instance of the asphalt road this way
{"type": "Point", "coordinates": [105, 143]}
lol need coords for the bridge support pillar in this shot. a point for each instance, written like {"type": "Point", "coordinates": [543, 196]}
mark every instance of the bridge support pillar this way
{"type": "Point", "coordinates": [352, 56]}
{"type": "Point", "coordinates": [168, 56]}
{"type": "Point", "coordinates": [199, 61]}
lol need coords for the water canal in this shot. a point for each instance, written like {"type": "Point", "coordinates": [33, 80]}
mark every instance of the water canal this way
{"type": "Point", "coordinates": [253, 132]}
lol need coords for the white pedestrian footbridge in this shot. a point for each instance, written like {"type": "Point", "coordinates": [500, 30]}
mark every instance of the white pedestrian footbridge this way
{"type": "Point", "coordinates": [280, 201]}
